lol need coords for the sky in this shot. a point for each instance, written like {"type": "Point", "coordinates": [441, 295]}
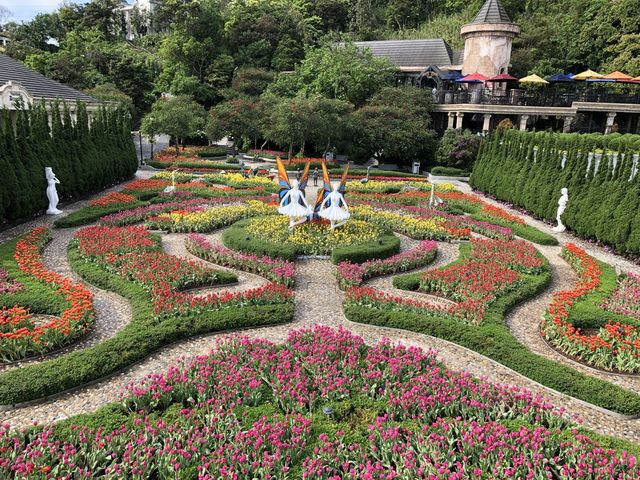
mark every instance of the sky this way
{"type": "Point", "coordinates": [25, 10]}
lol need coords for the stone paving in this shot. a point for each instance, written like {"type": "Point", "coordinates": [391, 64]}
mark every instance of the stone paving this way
{"type": "Point", "coordinates": [318, 300]}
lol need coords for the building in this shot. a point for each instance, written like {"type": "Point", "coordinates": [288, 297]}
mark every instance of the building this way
{"type": "Point", "coordinates": [137, 12]}
{"type": "Point", "coordinates": [488, 39]}
{"type": "Point", "coordinates": [4, 41]}
{"type": "Point", "coordinates": [20, 86]}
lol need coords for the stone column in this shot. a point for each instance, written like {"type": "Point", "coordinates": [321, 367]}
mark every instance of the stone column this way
{"type": "Point", "coordinates": [523, 122]}
{"type": "Point", "coordinates": [486, 126]}
{"type": "Point", "coordinates": [568, 120]}
{"type": "Point", "coordinates": [459, 122]}
{"type": "Point", "coordinates": [611, 117]}
{"type": "Point", "coordinates": [452, 117]}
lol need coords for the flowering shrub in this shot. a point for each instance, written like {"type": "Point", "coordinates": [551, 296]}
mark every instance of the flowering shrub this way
{"type": "Point", "coordinates": [613, 347]}
{"type": "Point", "coordinates": [274, 269]}
{"type": "Point", "coordinates": [180, 177]}
{"type": "Point", "coordinates": [132, 253]}
{"type": "Point", "coordinates": [312, 238]}
{"type": "Point", "coordinates": [352, 274]}
{"type": "Point", "coordinates": [8, 284]}
{"type": "Point", "coordinates": [113, 198]}
{"type": "Point", "coordinates": [624, 300]}
{"type": "Point", "coordinates": [252, 409]}
{"type": "Point", "coordinates": [206, 220]}
{"type": "Point", "coordinates": [20, 335]}
{"type": "Point", "coordinates": [418, 228]}
{"type": "Point", "coordinates": [464, 201]}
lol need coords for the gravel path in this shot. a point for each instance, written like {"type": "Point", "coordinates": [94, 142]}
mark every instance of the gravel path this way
{"type": "Point", "coordinates": [318, 300]}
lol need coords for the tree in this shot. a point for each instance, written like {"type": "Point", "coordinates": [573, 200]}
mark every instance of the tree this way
{"type": "Point", "coordinates": [237, 118]}
{"type": "Point", "coordinates": [5, 14]}
{"type": "Point", "coordinates": [251, 81]}
{"type": "Point", "coordinates": [109, 92]}
{"type": "Point", "coordinates": [458, 149]}
{"type": "Point", "coordinates": [180, 117]}
{"type": "Point", "coordinates": [344, 72]}
{"type": "Point", "coordinates": [150, 128]}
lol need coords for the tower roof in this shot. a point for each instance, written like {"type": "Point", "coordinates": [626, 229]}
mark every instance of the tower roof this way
{"type": "Point", "coordinates": [492, 12]}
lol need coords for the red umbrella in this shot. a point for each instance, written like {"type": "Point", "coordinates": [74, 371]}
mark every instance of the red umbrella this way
{"type": "Point", "coordinates": [472, 78]}
{"type": "Point", "coordinates": [503, 77]}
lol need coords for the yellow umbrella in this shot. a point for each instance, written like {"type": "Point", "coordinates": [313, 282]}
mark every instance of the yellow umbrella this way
{"type": "Point", "coordinates": [618, 76]}
{"type": "Point", "coordinates": [534, 80]}
{"type": "Point", "coordinates": [587, 74]}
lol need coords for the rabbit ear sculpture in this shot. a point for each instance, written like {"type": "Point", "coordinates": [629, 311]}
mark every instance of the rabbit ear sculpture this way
{"type": "Point", "coordinates": [333, 206]}
{"type": "Point", "coordinates": [52, 193]}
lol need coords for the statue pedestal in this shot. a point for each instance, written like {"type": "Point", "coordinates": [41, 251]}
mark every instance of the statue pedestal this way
{"type": "Point", "coordinates": [559, 229]}
{"type": "Point", "coordinates": [54, 211]}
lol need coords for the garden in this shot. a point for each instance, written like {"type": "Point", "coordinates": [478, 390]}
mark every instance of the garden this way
{"type": "Point", "coordinates": [383, 348]}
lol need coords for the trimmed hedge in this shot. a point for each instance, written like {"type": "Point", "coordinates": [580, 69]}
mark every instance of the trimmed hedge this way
{"type": "Point", "coordinates": [600, 171]}
{"type": "Point", "coordinates": [494, 340]}
{"type": "Point", "coordinates": [449, 172]}
{"type": "Point", "coordinates": [90, 214]}
{"type": "Point", "coordinates": [523, 231]}
{"type": "Point", "coordinates": [86, 156]}
{"type": "Point", "coordinates": [141, 337]}
{"type": "Point", "coordinates": [213, 152]}
{"type": "Point", "coordinates": [237, 238]}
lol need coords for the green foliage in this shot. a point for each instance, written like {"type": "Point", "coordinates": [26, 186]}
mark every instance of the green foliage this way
{"type": "Point", "coordinates": [86, 158]}
{"type": "Point", "coordinates": [458, 149]}
{"type": "Point", "coordinates": [525, 168]}
{"type": "Point", "coordinates": [384, 247]}
{"type": "Point", "coordinates": [91, 214]}
{"type": "Point", "coordinates": [449, 172]}
{"type": "Point", "coordinates": [141, 337]}
{"type": "Point", "coordinates": [180, 117]}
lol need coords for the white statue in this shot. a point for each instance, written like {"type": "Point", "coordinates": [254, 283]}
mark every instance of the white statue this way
{"type": "Point", "coordinates": [52, 193]}
{"type": "Point", "coordinates": [173, 183]}
{"type": "Point", "coordinates": [334, 208]}
{"type": "Point", "coordinates": [294, 205]}
{"type": "Point", "coordinates": [562, 206]}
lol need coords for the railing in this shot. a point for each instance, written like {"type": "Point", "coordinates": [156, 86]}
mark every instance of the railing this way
{"type": "Point", "coordinates": [519, 98]}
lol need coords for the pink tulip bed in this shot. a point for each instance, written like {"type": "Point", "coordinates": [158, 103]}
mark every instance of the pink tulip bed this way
{"type": "Point", "coordinates": [352, 274]}
{"type": "Point", "coordinates": [625, 299]}
{"type": "Point", "coordinates": [321, 406]}
{"type": "Point", "coordinates": [276, 270]}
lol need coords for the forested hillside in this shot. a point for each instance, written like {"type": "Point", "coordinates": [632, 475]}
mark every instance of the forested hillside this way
{"type": "Point", "coordinates": [198, 44]}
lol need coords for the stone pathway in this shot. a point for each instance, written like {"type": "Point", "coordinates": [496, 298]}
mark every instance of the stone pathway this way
{"type": "Point", "coordinates": [318, 300]}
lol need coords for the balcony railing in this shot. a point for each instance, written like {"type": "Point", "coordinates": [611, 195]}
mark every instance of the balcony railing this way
{"type": "Point", "coordinates": [543, 99]}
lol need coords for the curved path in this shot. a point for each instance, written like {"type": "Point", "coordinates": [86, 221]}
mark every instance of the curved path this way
{"type": "Point", "coordinates": [318, 300]}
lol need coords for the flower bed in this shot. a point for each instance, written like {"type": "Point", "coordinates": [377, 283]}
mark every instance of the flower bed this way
{"type": "Point", "coordinates": [180, 177]}
{"type": "Point", "coordinates": [312, 238]}
{"type": "Point", "coordinates": [20, 335]}
{"type": "Point", "coordinates": [352, 274]}
{"type": "Point", "coordinates": [236, 180]}
{"type": "Point", "coordinates": [132, 253]}
{"type": "Point", "coordinates": [252, 409]}
{"type": "Point", "coordinates": [208, 219]}
{"type": "Point", "coordinates": [8, 284]}
{"type": "Point", "coordinates": [625, 299]}
{"type": "Point", "coordinates": [113, 198]}
{"type": "Point", "coordinates": [491, 212]}
{"type": "Point", "coordinates": [434, 228]}
{"type": "Point", "coordinates": [614, 347]}
{"type": "Point", "coordinates": [274, 269]}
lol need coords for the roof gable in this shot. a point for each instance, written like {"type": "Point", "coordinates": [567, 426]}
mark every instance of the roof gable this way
{"type": "Point", "coordinates": [492, 12]}
{"type": "Point", "coordinates": [38, 85]}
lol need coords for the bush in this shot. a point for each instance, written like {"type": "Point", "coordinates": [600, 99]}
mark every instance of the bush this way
{"type": "Point", "coordinates": [449, 172]}
{"type": "Point", "coordinates": [384, 247]}
{"type": "Point", "coordinates": [213, 152]}
{"type": "Point", "coordinates": [141, 337]}
{"type": "Point", "coordinates": [458, 149]}
{"type": "Point", "coordinates": [88, 215]}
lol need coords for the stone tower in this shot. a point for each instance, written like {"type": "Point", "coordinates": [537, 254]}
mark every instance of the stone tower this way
{"type": "Point", "coordinates": [487, 40]}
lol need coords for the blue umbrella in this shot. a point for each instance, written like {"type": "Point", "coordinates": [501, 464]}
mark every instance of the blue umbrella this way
{"type": "Point", "coordinates": [559, 78]}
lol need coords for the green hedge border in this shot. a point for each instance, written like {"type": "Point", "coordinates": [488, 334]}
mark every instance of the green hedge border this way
{"type": "Point", "coordinates": [237, 238]}
{"type": "Point", "coordinates": [136, 341]}
{"type": "Point", "coordinates": [527, 232]}
{"type": "Point", "coordinates": [494, 340]}
{"type": "Point", "coordinates": [90, 214]}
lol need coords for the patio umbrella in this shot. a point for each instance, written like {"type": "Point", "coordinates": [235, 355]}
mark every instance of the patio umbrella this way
{"type": "Point", "coordinates": [450, 76]}
{"type": "Point", "coordinates": [533, 80]}
{"type": "Point", "coordinates": [503, 77]}
{"type": "Point", "coordinates": [472, 78]}
{"type": "Point", "coordinates": [618, 76]}
{"type": "Point", "coordinates": [586, 75]}
{"type": "Point", "coordinates": [559, 78]}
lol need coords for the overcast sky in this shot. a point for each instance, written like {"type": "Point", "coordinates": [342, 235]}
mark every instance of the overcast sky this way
{"type": "Point", "coordinates": [25, 10]}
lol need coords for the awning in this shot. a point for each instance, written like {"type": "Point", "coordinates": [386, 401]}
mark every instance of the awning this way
{"type": "Point", "coordinates": [533, 80]}
{"type": "Point", "coordinates": [503, 77]}
{"type": "Point", "coordinates": [586, 75]}
{"type": "Point", "coordinates": [472, 78]}
{"type": "Point", "coordinates": [559, 78]}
